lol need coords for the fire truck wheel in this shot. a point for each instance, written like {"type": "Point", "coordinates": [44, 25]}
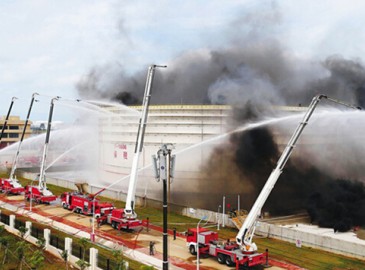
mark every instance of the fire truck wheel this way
{"type": "Point", "coordinates": [64, 206]}
{"type": "Point", "coordinates": [229, 261]}
{"type": "Point", "coordinates": [221, 258]}
{"type": "Point", "coordinates": [192, 250]}
{"type": "Point", "coordinates": [113, 224]}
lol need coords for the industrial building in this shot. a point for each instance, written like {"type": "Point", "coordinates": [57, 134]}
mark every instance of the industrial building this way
{"type": "Point", "coordinates": [182, 125]}
{"type": "Point", "coordinates": [13, 130]}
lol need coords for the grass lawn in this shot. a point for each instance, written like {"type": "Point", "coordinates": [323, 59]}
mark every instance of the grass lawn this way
{"type": "Point", "coordinates": [11, 260]}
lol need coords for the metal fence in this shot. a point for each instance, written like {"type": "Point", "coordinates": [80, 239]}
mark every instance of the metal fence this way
{"type": "Point", "coordinates": [36, 232]}
{"type": "Point", "coordinates": [105, 263]}
{"type": "Point", "coordinates": [18, 224]}
{"type": "Point", "coordinates": [5, 219]}
{"type": "Point", "coordinates": [57, 242]}
{"type": "Point", "coordinates": [78, 252]}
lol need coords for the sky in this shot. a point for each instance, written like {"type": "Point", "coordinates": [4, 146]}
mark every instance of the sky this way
{"type": "Point", "coordinates": [49, 46]}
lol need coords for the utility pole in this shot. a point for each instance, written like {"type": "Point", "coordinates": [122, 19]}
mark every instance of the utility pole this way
{"type": "Point", "coordinates": [164, 170]}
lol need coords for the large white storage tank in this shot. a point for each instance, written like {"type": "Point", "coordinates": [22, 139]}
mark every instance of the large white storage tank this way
{"type": "Point", "coordinates": [192, 129]}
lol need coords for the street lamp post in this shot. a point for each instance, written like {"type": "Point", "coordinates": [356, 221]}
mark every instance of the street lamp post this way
{"type": "Point", "coordinates": [30, 196]}
{"type": "Point", "coordinates": [218, 216]}
{"type": "Point", "coordinates": [92, 235]}
{"type": "Point", "coordinates": [93, 223]}
{"type": "Point", "coordinates": [197, 242]}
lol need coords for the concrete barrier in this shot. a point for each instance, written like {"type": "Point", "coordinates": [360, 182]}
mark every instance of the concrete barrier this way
{"type": "Point", "coordinates": [312, 236]}
{"type": "Point", "coordinates": [51, 249]}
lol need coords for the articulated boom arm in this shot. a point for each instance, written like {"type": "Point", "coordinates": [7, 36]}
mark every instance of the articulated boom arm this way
{"type": "Point", "coordinates": [245, 235]}
{"type": "Point", "coordinates": [42, 182]}
{"type": "Point", "coordinates": [11, 177]}
{"type": "Point", "coordinates": [7, 118]}
{"type": "Point", "coordinates": [129, 207]}
{"type": "Point", "coordinates": [93, 196]}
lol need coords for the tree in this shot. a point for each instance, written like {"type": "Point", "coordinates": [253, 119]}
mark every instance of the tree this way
{"type": "Point", "coordinates": [82, 264]}
{"type": "Point", "coordinates": [118, 256]}
{"type": "Point", "coordinates": [22, 231]}
{"type": "Point", "coordinates": [64, 256]}
{"type": "Point", "coordinates": [2, 228]}
{"type": "Point", "coordinates": [36, 259]}
{"type": "Point", "coordinates": [20, 251]}
{"type": "Point", "coordinates": [41, 242]}
{"type": "Point", "coordinates": [5, 240]}
{"type": "Point", "coordinates": [84, 242]}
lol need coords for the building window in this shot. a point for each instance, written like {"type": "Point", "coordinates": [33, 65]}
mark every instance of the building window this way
{"type": "Point", "coordinates": [13, 135]}
{"type": "Point", "coordinates": [13, 127]}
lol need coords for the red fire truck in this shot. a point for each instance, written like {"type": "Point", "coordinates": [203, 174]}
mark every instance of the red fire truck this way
{"type": "Point", "coordinates": [85, 204]}
{"type": "Point", "coordinates": [226, 252]}
{"type": "Point", "coordinates": [118, 220]}
{"type": "Point", "coordinates": [11, 186]}
{"type": "Point", "coordinates": [39, 196]}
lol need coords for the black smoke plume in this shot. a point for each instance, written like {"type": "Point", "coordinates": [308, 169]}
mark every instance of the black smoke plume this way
{"type": "Point", "coordinates": [248, 161]}
{"type": "Point", "coordinates": [252, 72]}
{"type": "Point", "coordinates": [233, 76]}
{"type": "Point", "coordinates": [338, 204]}
{"type": "Point", "coordinates": [330, 202]}
{"type": "Point", "coordinates": [254, 65]}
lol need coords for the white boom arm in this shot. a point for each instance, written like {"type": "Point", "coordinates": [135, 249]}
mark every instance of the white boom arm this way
{"type": "Point", "coordinates": [11, 177]}
{"type": "Point", "coordinates": [245, 235]}
{"type": "Point", "coordinates": [42, 181]}
{"type": "Point", "coordinates": [129, 207]}
{"type": "Point", "coordinates": [4, 126]}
